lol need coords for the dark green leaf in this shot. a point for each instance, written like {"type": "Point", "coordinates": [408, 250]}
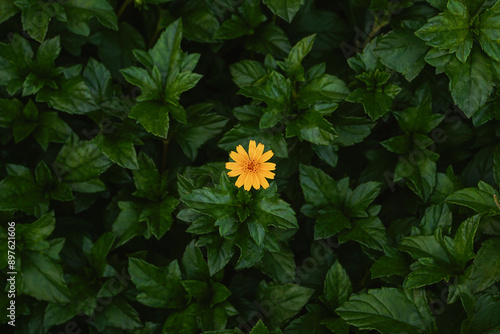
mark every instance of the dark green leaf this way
{"type": "Point", "coordinates": [285, 300]}
{"type": "Point", "coordinates": [286, 9]}
{"type": "Point", "coordinates": [401, 51]}
{"type": "Point", "coordinates": [79, 164]}
{"type": "Point", "coordinates": [337, 287]}
{"type": "Point", "coordinates": [388, 310]}
{"type": "Point", "coordinates": [486, 268]}
{"type": "Point", "coordinates": [158, 287]}
{"type": "Point", "coordinates": [79, 12]}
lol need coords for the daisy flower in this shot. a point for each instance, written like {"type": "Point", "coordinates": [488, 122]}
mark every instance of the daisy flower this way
{"type": "Point", "coordinates": [251, 167]}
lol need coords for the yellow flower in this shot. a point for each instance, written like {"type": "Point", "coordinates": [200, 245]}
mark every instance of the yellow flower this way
{"type": "Point", "coordinates": [252, 168]}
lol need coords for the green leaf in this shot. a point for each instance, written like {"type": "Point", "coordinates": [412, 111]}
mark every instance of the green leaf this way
{"type": "Point", "coordinates": [420, 174]}
{"type": "Point", "coordinates": [476, 199]}
{"type": "Point", "coordinates": [449, 30]}
{"type": "Point", "coordinates": [286, 9]}
{"type": "Point", "coordinates": [388, 266]}
{"type": "Point", "coordinates": [118, 147]}
{"type": "Point", "coordinates": [311, 126]}
{"type": "Point", "coordinates": [36, 18]}
{"type": "Point", "coordinates": [337, 286]}
{"type": "Point", "coordinates": [472, 82]}
{"type": "Point", "coordinates": [329, 222]}
{"type": "Point", "coordinates": [388, 310]}
{"type": "Point", "coordinates": [275, 91]}
{"type": "Point", "coordinates": [313, 322]}
{"type": "Point", "coordinates": [463, 249]}
{"type": "Point", "coordinates": [118, 314]}
{"type": "Point", "coordinates": [489, 28]}
{"type": "Point", "coordinates": [116, 47]}
{"type": "Point", "coordinates": [167, 54]}
{"type": "Point", "coordinates": [398, 144]}
{"type": "Point", "coordinates": [324, 88]}
{"type": "Point", "coordinates": [360, 198]}
{"type": "Point", "coordinates": [247, 72]}
{"type": "Point", "coordinates": [126, 226]}
{"type": "Point", "coordinates": [369, 232]}
{"type": "Point", "coordinates": [51, 129]}
{"type": "Point", "coordinates": [80, 163]}
{"type": "Point", "coordinates": [19, 191]}
{"type": "Point", "coordinates": [280, 266]}
{"type": "Point", "coordinates": [486, 266]}
{"type": "Point", "coordinates": [42, 278]}
{"type": "Point", "coordinates": [73, 97]}
{"type": "Point", "coordinates": [259, 328]}
{"type": "Point", "coordinates": [79, 12]}
{"type": "Point", "coordinates": [202, 126]}
{"type": "Point", "coordinates": [7, 9]}
{"type": "Point", "coordinates": [148, 181]}
{"type": "Point", "coordinates": [285, 300]}
{"type": "Point", "coordinates": [218, 255]}
{"type": "Point", "coordinates": [153, 116]}
{"type": "Point", "coordinates": [375, 103]}
{"type": "Point", "coordinates": [158, 215]}
{"type": "Point", "coordinates": [426, 275]}
{"type": "Point", "coordinates": [435, 216]}
{"type": "Point", "coordinates": [194, 264]}
{"type": "Point", "coordinates": [35, 234]}
{"type": "Point", "coordinates": [317, 186]}
{"type": "Point", "coordinates": [418, 120]}
{"type": "Point", "coordinates": [100, 251]}
{"type": "Point", "coordinates": [486, 315]}
{"type": "Point", "coordinates": [150, 84]}
{"type": "Point", "coordinates": [213, 202]}
{"type": "Point", "coordinates": [178, 83]}
{"type": "Point", "coordinates": [274, 211]}
{"type": "Point", "coordinates": [158, 287]}
{"type": "Point", "coordinates": [293, 63]}
{"type": "Point", "coordinates": [420, 246]}
{"type": "Point", "coordinates": [269, 39]}
{"type": "Point", "coordinates": [401, 51]}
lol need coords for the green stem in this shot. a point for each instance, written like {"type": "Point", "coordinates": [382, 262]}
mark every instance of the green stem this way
{"type": "Point", "coordinates": [123, 7]}
{"type": "Point", "coordinates": [376, 29]}
{"type": "Point", "coordinates": [496, 200]}
{"type": "Point", "coordinates": [158, 29]}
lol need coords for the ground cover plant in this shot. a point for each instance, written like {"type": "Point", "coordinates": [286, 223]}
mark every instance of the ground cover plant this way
{"type": "Point", "coordinates": [248, 166]}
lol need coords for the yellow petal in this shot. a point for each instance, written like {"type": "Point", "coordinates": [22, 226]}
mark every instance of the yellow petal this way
{"type": "Point", "coordinates": [248, 182]}
{"type": "Point", "coordinates": [241, 180]}
{"type": "Point", "coordinates": [263, 181]}
{"type": "Point", "coordinates": [235, 172]}
{"type": "Point", "coordinates": [237, 157]}
{"type": "Point", "coordinates": [242, 152]}
{"type": "Point", "coordinates": [233, 165]}
{"type": "Point", "coordinates": [266, 173]}
{"type": "Point", "coordinates": [267, 166]}
{"type": "Point", "coordinates": [266, 156]}
{"type": "Point", "coordinates": [251, 149]}
{"type": "Point", "coordinates": [256, 182]}
{"type": "Point", "coordinates": [258, 152]}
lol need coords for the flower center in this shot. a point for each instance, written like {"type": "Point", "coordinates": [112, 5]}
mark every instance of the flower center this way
{"type": "Point", "coordinates": [251, 166]}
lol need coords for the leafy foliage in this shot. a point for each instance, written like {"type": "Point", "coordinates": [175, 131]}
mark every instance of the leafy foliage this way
{"type": "Point", "coordinates": [117, 119]}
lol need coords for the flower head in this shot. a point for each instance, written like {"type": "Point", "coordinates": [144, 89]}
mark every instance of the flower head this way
{"type": "Point", "coordinates": [251, 167]}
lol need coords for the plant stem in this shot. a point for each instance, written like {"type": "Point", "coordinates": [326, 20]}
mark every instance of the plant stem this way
{"type": "Point", "coordinates": [158, 29]}
{"type": "Point", "coordinates": [496, 200]}
{"type": "Point", "coordinates": [376, 29]}
{"type": "Point", "coordinates": [123, 7]}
